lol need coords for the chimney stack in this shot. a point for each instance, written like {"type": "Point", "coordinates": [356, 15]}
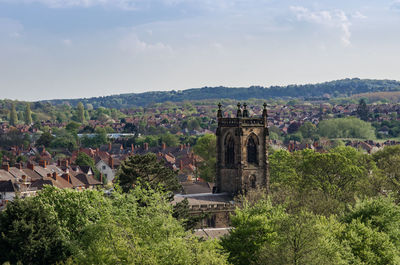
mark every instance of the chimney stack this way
{"type": "Point", "coordinates": [181, 165]}
{"type": "Point", "coordinates": [132, 149]}
{"type": "Point", "coordinates": [164, 146]}
{"type": "Point", "coordinates": [109, 147]}
{"type": "Point", "coordinates": [66, 177]}
{"type": "Point", "coordinates": [30, 166]}
{"type": "Point", "coordinates": [181, 147]}
{"type": "Point", "coordinates": [18, 165]}
{"type": "Point", "coordinates": [6, 166]}
{"type": "Point", "coordinates": [43, 163]}
{"type": "Point", "coordinates": [111, 162]}
{"type": "Point", "coordinates": [55, 175]}
{"type": "Point", "coordinates": [146, 146]}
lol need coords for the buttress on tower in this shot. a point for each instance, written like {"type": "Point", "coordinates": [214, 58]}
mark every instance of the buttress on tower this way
{"type": "Point", "coordinates": [242, 152]}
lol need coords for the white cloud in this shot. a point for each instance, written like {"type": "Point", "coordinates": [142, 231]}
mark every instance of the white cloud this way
{"type": "Point", "coordinates": [67, 42]}
{"type": "Point", "coordinates": [395, 5]}
{"type": "Point", "coordinates": [133, 45]}
{"type": "Point", "coordinates": [10, 28]}
{"type": "Point", "coordinates": [359, 15]}
{"type": "Point", "coordinates": [334, 19]}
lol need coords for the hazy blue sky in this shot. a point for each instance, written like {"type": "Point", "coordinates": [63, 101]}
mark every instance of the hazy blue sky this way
{"type": "Point", "coordinates": [83, 48]}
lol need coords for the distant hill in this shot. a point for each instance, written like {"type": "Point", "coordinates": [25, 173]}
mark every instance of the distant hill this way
{"type": "Point", "coordinates": [339, 88]}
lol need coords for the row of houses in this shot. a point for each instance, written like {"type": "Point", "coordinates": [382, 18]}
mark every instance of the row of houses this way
{"type": "Point", "coordinates": [26, 180]}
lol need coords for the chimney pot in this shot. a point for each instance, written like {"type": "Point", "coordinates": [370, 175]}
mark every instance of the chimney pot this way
{"type": "Point", "coordinates": [30, 166]}
{"type": "Point", "coordinates": [111, 162]}
{"type": "Point", "coordinates": [6, 166]}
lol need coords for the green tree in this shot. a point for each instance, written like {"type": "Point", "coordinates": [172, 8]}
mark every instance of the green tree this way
{"type": "Point", "coordinates": [147, 169]}
{"type": "Point", "coordinates": [73, 127]}
{"type": "Point", "coordinates": [45, 139]}
{"type": "Point", "coordinates": [80, 112]}
{"type": "Point", "coordinates": [388, 161]}
{"type": "Point", "coordinates": [253, 228]}
{"type": "Point", "coordinates": [65, 139]}
{"type": "Point", "coordinates": [206, 148]}
{"type": "Point", "coordinates": [13, 115]}
{"type": "Point", "coordinates": [346, 128]}
{"type": "Point", "coordinates": [308, 130]}
{"type": "Point", "coordinates": [169, 139]}
{"type": "Point", "coordinates": [83, 159]}
{"type": "Point", "coordinates": [30, 233]}
{"type": "Point", "coordinates": [303, 238]}
{"type": "Point", "coordinates": [28, 114]}
{"type": "Point", "coordinates": [362, 110]}
{"type": "Point", "coordinates": [140, 229]}
{"type": "Point", "coordinates": [322, 182]}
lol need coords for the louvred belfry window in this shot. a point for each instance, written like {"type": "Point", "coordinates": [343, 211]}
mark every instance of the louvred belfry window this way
{"type": "Point", "coordinates": [230, 152]}
{"type": "Point", "coordinates": [252, 151]}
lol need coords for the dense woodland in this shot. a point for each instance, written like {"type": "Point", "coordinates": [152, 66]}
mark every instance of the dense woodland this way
{"type": "Point", "coordinates": [340, 88]}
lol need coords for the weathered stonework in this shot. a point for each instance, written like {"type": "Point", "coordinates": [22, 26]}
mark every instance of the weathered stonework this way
{"type": "Point", "coordinates": [242, 152]}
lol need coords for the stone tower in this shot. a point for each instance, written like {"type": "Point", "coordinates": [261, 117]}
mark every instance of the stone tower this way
{"type": "Point", "coordinates": [242, 152]}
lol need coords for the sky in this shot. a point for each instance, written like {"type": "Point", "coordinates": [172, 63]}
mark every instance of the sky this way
{"type": "Point", "coordinates": [87, 48]}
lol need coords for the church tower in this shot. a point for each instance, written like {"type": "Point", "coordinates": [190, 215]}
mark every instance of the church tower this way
{"type": "Point", "coordinates": [242, 152]}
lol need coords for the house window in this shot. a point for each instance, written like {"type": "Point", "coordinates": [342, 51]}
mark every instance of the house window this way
{"type": "Point", "coordinates": [104, 167]}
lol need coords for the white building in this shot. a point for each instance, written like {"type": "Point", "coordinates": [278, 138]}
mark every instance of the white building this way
{"type": "Point", "coordinates": [106, 170]}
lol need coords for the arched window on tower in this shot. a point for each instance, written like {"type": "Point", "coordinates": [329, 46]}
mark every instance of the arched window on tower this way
{"type": "Point", "coordinates": [230, 151]}
{"type": "Point", "coordinates": [252, 151]}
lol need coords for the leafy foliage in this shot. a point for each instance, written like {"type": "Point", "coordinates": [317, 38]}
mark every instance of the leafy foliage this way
{"type": "Point", "coordinates": [205, 148]}
{"type": "Point", "coordinates": [88, 228]}
{"type": "Point", "coordinates": [146, 168]}
{"type": "Point", "coordinates": [346, 128]}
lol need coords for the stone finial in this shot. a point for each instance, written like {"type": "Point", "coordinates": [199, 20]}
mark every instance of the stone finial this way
{"type": "Point", "coordinates": [265, 113]}
{"type": "Point", "coordinates": [219, 113]}
{"type": "Point", "coordinates": [245, 111]}
{"type": "Point", "coordinates": [239, 111]}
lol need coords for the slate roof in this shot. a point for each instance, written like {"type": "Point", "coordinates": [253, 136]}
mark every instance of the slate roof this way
{"type": "Point", "coordinates": [5, 175]}
{"type": "Point", "coordinates": [88, 180]}
{"type": "Point", "coordinates": [59, 183]}
{"type": "Point", "coordinates": [31, 174]}
{"type": "Point", "coordinates": [17, 173]}
{"type": "Point", "coordinates": [54, 168]}
{"type": "Point", "coordinates": [6, 186]}
{"type": "Point", "coordinates": [196, 187]}
{"type": "Point", "coordinates": [85, 169]}
{"type": "Point", "coordinates": [73, 180]}
{"type": "Point", "coordinates": [43, 172]}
